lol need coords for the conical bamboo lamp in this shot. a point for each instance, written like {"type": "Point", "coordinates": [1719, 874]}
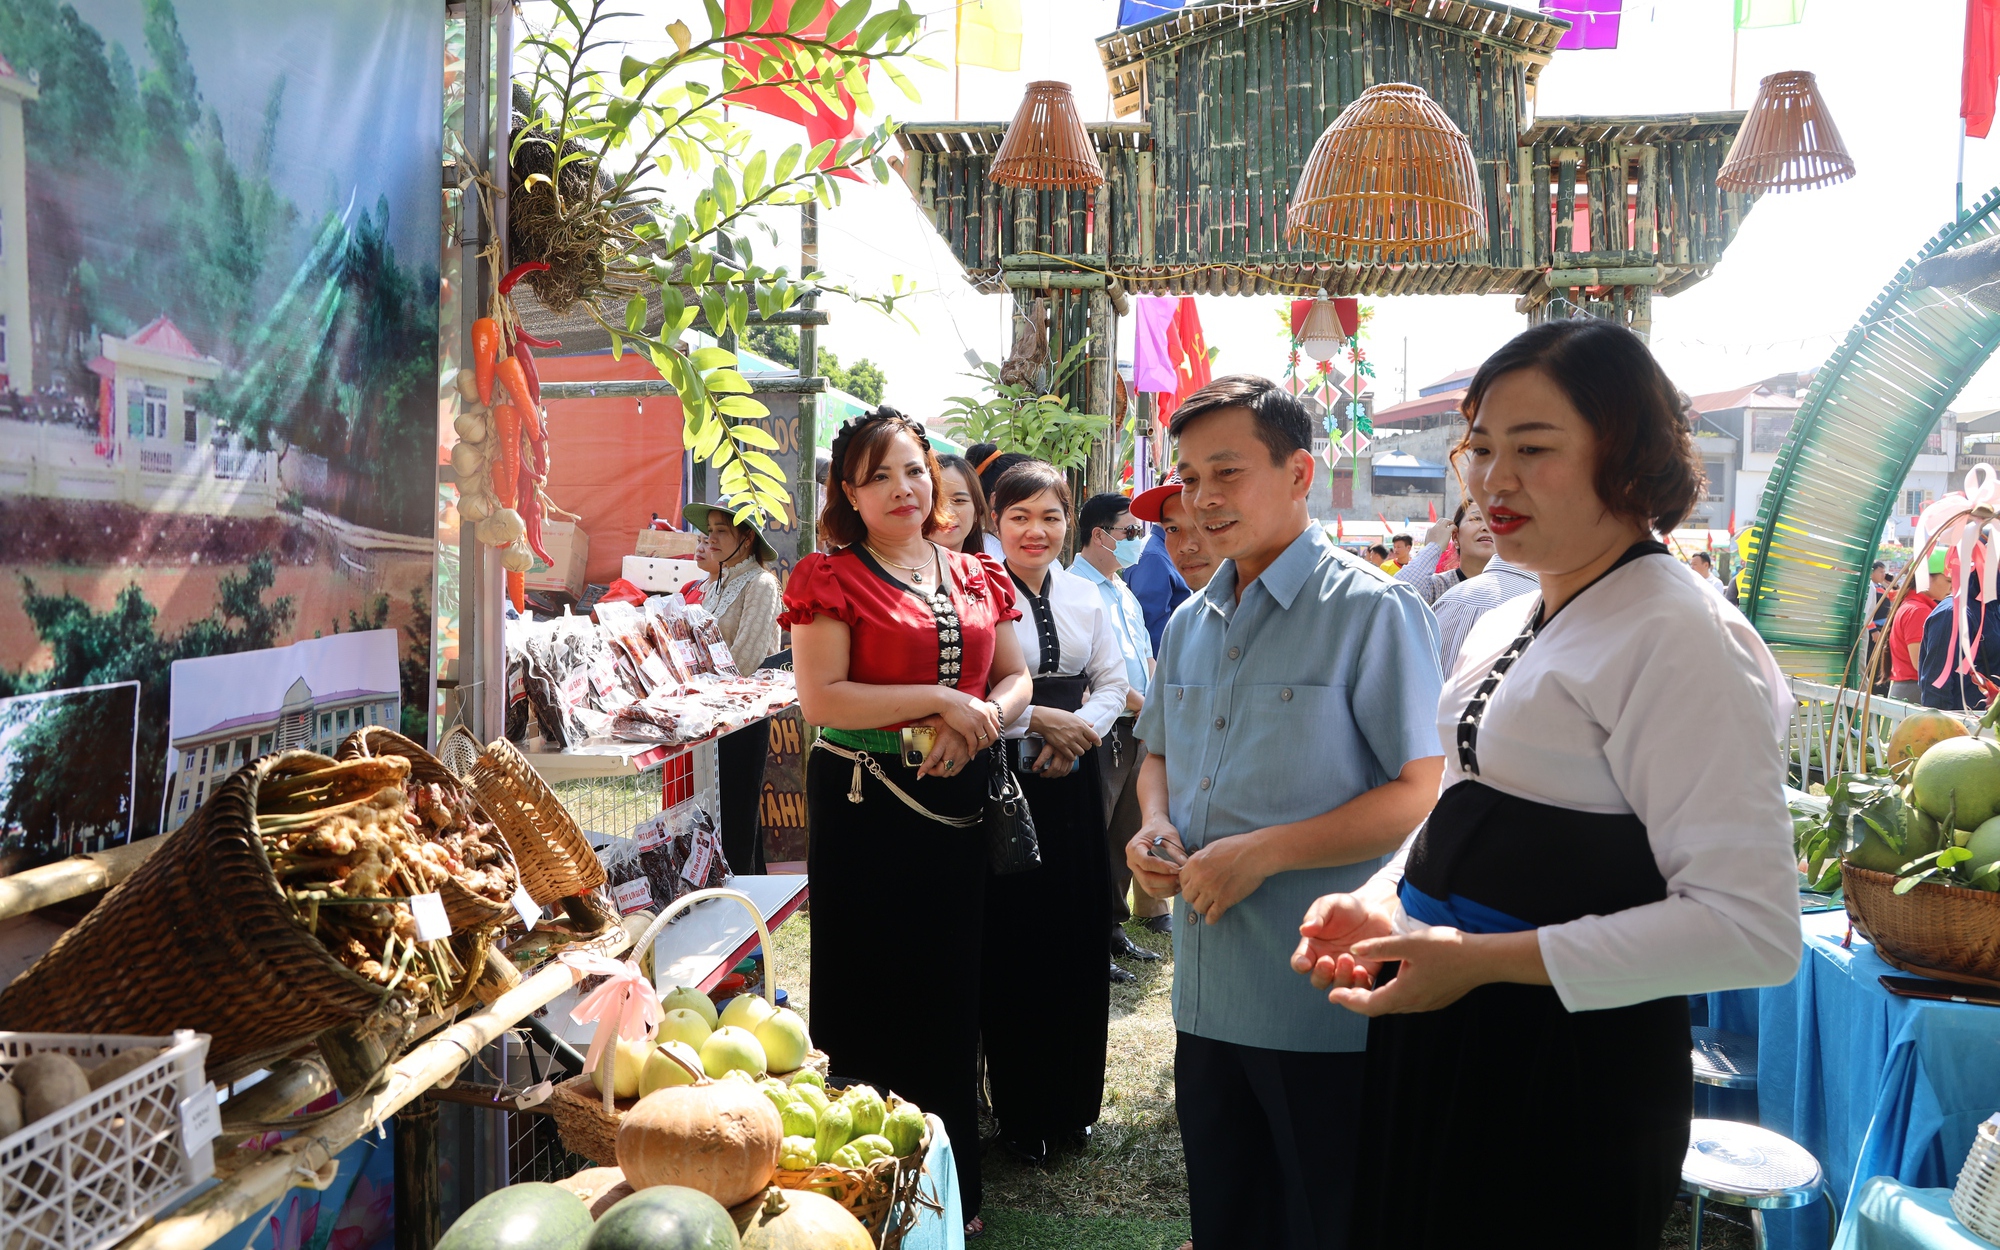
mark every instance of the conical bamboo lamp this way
{"type": "Point", "coordinates": [1321, 335]}
{"type": "Point", "coordinates": [1046, 147]}
{"type": "Point", "coordinates": [1788, 143]}
{"type": "Point", "coordinates": [1391, 175]}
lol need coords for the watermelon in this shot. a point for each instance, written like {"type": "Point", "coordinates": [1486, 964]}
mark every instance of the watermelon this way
{"type": "Point", "coordinates": [666, 1217]}
{"type": "Point", "coordinates": [530, 1216]}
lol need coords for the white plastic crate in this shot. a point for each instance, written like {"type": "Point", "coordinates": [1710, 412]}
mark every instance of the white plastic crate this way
{"type": "Point", "coordinates": [90, 1174]}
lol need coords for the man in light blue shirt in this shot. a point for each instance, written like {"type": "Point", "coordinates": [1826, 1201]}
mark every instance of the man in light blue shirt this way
{"type": "Point", "coordinates": [1110, 540]}
{"type": "Point", "coordinates": [1292, 744]}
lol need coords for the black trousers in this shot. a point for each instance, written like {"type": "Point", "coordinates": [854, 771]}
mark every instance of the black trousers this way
{"type": "Point", "coordinates": [739, 776]}
{"type": "Point", "coordinates": [897, 909]}
{"type": "Point", "coordinates": [1271, 1139]}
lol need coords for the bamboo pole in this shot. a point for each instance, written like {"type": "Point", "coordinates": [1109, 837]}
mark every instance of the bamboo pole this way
{"type": "Point", "coordinates": [73, 877]}
{"type": "Point", "coordinates": [310, 1155]}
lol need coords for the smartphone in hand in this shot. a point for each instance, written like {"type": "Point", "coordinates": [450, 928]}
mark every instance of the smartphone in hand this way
{"type": "Point", "coordinates": [1166, 852]}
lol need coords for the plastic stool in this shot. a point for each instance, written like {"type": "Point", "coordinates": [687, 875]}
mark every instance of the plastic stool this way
{"type": "Point", "coordinates": [1743, 1165]}
{"type": "Point", "coordinates": [1724, 1060]}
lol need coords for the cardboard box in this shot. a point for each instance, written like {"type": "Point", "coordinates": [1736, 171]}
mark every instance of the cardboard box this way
{"type": "Point", "coordinates": [666, 544]}
{"type": "Point", "coordinates": [570, 547]}
{"type": "Point", "coordinates": [659, 576]}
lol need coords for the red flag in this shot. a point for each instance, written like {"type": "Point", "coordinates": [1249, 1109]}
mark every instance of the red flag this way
{"type": "Point", "coordinates": [1982, 65]}
{"type": "Point", "coordinates": [1339, 530]}
{"type": "Point", "coordinates": [1348, 309]}
{"type": "Point", "coordinates": [1434, 512]}
{"type": "Point", "coordinates": [1300, 307]}
{"type": "Point", "coordinates": [1187, 350]}
{"type": "Point", "coordinates": [819, 120]}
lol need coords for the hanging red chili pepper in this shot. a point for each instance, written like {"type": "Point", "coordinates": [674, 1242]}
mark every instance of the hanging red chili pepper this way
{"type": "Point", "coordinates": [518, 272]}
{"type": "Point", "coordinates": [522, 336]}
{"type": "Point", "coordinates": [527, 359]}
{"type": "Point", "coordinates": [485, 351]}
{"type": "Point", "coordinates": [531, 516]}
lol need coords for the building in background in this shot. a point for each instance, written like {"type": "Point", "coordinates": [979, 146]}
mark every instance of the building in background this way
{"type": "Point", "coordinates": [302, 720]}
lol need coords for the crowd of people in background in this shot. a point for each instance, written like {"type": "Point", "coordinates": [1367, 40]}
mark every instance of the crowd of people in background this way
{"type": "Point", "coordinates": [1226, 728]}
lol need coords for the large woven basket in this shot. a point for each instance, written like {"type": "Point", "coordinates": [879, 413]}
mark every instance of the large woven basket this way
{"type": "Point", "coordinates": [1949, 932]}
{"type": "Point", "coordinates": [590, 1131]}
{"type": "Point", "coordinates": [1975, 1200]}
{"type": "Point", "coordinates": [465, 909]}
{"type": "Point", "coordinates": [201, 937]}
{"type": "Point", "coordinates": [884, 1196]}
{"type": "Point", "coordinates": [554, 858]}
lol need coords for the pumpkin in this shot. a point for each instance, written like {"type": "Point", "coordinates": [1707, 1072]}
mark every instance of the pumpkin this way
{"type": "Point", "coordinates": [798, 1219]}
{"type": "Point", "coordinates": [720, 1137]}
{"type": "Point", "coordinates": [665, 1217]}
{"type": "Point", "coordinates": [600, 1189]}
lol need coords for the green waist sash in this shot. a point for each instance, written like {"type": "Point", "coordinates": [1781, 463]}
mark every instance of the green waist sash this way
{"type": "Point", "coordinates": [879, 741]}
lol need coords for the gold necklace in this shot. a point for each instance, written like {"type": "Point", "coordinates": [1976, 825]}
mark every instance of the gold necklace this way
{"type": "Point", "coordinates": [916, 571]}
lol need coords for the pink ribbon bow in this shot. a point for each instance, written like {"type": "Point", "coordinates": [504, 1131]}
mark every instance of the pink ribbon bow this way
{"type": "Point", "coordinates": [626, 1001]}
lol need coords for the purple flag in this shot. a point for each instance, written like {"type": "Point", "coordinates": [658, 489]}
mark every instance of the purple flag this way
{"type": "Point", "coordinates": [1593, 23]}
{"type": "Point", "coordinates": [1152, 370]}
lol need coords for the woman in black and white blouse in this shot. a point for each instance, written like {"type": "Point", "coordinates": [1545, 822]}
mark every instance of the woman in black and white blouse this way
{"type": "Point", "coordinates": [1612, 834]}
{"type": "Point", "coordinates": [1045, 1002]}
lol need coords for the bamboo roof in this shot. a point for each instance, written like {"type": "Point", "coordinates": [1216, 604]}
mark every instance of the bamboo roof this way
{"type": "Point", "coordinates": [983, 138]}
{"type": "Point", "coordinates": [1569, 132]}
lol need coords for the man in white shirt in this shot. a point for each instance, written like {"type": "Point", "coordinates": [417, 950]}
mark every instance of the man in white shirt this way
{"type": "Point", "coordinates": [1109, 540]}
{"type": "Point", "coordinates": [1704, 568]}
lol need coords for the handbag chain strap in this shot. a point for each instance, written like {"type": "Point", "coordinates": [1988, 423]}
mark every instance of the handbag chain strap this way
{"type": "Point", "coordinates": [864, 760]}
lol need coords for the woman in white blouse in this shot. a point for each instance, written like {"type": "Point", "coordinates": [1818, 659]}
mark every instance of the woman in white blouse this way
{"type": "Point", "coordinates": [1612, 835]}
{"type": "Point", "coordinates": [1044, 1001]}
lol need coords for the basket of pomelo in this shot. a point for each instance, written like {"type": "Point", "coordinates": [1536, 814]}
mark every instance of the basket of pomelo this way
{"type": "Point", "coordinates": [1922, 880]}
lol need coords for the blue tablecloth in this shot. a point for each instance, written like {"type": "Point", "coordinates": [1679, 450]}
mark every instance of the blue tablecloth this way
{"type": "Point", "coordinates": [934, 1230]}
{"type": "Point", "coordinates": [1871, 1083]}
{"type": "Point", "coordinates": [1889, 1215]}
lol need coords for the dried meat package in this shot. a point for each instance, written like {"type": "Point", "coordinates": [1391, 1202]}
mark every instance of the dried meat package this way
{"type": "Point", "coordinates": [708, 636]}
{"type": "Point", "coordinates": [676, 632]}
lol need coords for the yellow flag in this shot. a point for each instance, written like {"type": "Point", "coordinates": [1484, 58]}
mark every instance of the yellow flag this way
{"type": "Point", "coordinates": [989, 34]}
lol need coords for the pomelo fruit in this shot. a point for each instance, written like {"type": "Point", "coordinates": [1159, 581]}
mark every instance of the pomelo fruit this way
{"type": "Point", "coordinates": [730, 1049]}
{"type": "Point", "coordinates": [692, 999]}
{"type": "Point", "coordinates": [628, 1065]}
{"type": "Point", "coordinates": [1985, 848]}
{"type": "Point", "coordinates": [747, 1011]}
{"type": "Point", "coordinates": [1959, 771]}
{"type": "Point", "coordinates": [663, 1073]}
{"type": "Point", "coordinates": [1920, 732]}
{"type": "Point", "coordinates": [684, 1025]}
{"type": "Point", "coordinates": [783, 1036]}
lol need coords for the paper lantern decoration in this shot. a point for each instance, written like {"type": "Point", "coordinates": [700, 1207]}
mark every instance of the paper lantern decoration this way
{"type": "Point", "coordinates": [1391, 176]}
{"type": "Point", "coordinates": [1321, 336]}
{"type": "Point", "coordinates": [1788, 143]}
{"type": "Point", "coordinates": [1046, 147]}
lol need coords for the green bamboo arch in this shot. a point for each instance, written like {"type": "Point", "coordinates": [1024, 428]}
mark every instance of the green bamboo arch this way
{"type": "Point", "coordinates": [1851, 445]}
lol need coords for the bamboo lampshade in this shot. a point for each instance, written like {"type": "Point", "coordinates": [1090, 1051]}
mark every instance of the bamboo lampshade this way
{"type": "Point", "coordinates": [1321, 335]}
{"type": "Point", "coordinates": [1393, 174]}
{"type": "Point", "coordinates": [1046, 147]}
{"type": "Point", "coordinates": [1788, 143]}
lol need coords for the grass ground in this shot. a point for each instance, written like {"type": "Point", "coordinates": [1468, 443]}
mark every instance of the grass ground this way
{"type": "Point", "coordinates": [1128, 1191]}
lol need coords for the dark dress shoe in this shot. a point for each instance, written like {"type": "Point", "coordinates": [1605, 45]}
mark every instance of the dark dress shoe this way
{"type": "Point", "coordinates": [1032, 1151]}
{"type": "Point", "coordinates": [1121, 977]}
{"type": "Point", "coordinates": [1162, 923]}
{"type": "Point", "coordinates": [1123, 947]}
{"type": "Point", "coordinates": [1077, 1140]}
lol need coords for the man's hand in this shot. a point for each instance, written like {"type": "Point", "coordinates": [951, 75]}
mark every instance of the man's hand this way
{"type": "Point", "coordinates": [1332, 925]}
{"type": "Point", "coordinates": [1223, 874]}
{"type": "Point", "coordinates": [1134, 700]}
{"type": "Point", "coordinates": [1156, 877]}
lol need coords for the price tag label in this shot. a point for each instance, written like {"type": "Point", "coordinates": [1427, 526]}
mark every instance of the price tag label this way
{"type": "Point", "coordinates": [655, 668]}
{"type": "Point", "coordinates": [201, 1120]}
{"type": "Point", "coordinates": [575, 685]}
{"type": "Point", "coordinates": [700, 857]}
{"type": "Point", "coordinates": [633, 895]}
{"type": "Point", "coordinates": [524, 906]}
{"type": "Point", "coordinates": [534, 1095]}
{"type": "Point", "coordinates": [604, 677]}
{"type": "Point", "coordinates": [652, 832]}
{"type": "Point", "coordinates": [428, 910]}
{"type": "Point", "coordinates": [690, 657]}
{"type": "Point", "coordinates": [719, 652]}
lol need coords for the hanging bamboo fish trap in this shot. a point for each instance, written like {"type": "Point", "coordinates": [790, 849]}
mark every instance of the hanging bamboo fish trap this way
{"type": "Point", "coordinates": [1789, 141]}
{"type": "Point", "coordinates": [1392, 176]}
{"type": "Point", "coordinates": [1046, 147]}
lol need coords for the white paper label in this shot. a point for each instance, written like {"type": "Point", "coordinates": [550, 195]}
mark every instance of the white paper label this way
{"type": "Point", "coordinates": [656, 669]}
{"type": "Point", "coordinates": [652, 831]}
{"type": "Point", "coordinates": [633, 895]}
{"type": "Point", "coordinates": [534, 1095]}
{"type": "Point", "coordinates": [604, 677]}
{"type": "Point", "coordinates": [690, 657]}
{"type": "Point", "coordinates": [428, 910]}
{"type": "Point", "coordinates": [524, 906]}
{"type": "Point", "coordinates": [201, 1120]}
{"type": "Point", "coordinates": [720, 654]}
{"type": "Point", "coordinates": [574, 685]}
{"type": "Point", "coordinates": [700, 856]}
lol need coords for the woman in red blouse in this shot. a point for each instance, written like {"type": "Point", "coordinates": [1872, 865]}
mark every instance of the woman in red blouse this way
{"type": "Point", "coordinates": [891, 630]}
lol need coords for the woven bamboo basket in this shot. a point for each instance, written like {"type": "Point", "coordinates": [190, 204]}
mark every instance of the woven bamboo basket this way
{"type": "Point", "coordinates": [883, 1196]}
{"type": "Point", "coordinates": [1975, 1200]}
{"type": "Point", "coordinates": [552, 855]}
{"type": "Point", "coordinates": [1948, 932]}
{"type": "Point", "coordinates": [201, 937]}
{"type": "Point", "coordinates": [465, 909]}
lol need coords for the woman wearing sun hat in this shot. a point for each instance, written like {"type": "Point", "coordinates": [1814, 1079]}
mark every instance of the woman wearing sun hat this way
{"type": "Point", "coordinates": [743, 598]}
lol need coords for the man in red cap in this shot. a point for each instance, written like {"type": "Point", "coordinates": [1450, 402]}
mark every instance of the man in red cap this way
{"type": "Point", "coordinates": [1158, 580]}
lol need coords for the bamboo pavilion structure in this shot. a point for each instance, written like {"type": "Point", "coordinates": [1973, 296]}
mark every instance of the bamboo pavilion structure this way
{"type": "Point", "coordinates": [1219, 107]}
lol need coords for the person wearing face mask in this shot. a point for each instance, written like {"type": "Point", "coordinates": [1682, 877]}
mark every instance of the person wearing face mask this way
{"type": "Point", "coordinates": [1612, 835]}
{"type": "Point", "coordinates": [1110, 540]}
{"type": "Point", "coordinates": [742, 596]}
{"type": "Point", "coordinates": [891, 631]}
{"type": "Point", "coordinates": [1045, 1001]}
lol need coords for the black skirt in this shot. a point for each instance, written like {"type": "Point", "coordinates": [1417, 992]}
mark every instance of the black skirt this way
{"type": "Point", "coordinates": [1046, 996]}
{"type": "Point", "coordinates": [896, 922]}
{"type": "Point", "coordinates": [1506, 1093]}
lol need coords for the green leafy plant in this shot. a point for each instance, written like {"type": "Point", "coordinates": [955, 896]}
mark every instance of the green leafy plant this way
{"type": "Point", "coordinates": [645, 192]}
{"type": "Point", "coordinates": [1020, 418]}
